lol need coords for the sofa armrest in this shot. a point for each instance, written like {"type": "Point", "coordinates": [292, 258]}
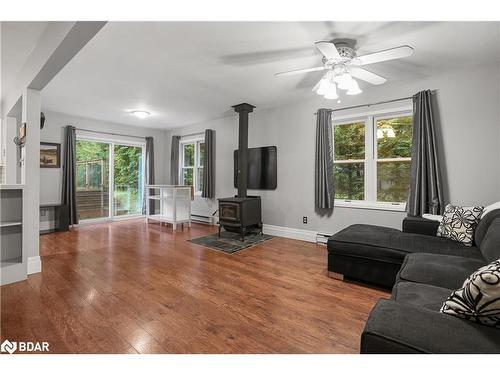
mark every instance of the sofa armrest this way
{"type": "Point", "coordinates": [394, 327]}
{"type": "Point", "coordinates": [419, 225]}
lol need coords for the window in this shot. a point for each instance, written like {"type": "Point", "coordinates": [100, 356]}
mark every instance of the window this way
{"type": "Point", "coordinates": [192, 154]}
{"type": "Point", "coordinates": [394, 136]}
{"type": "Point", "coordinates": [349, 151]}
{"type": "Point", "coordinates": [372, 160]}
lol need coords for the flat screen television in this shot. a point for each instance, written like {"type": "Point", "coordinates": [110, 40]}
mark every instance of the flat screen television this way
{"type": "Point", "coordinates": [262, 168]}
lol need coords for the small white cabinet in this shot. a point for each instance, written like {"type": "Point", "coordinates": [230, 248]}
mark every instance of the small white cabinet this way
{"type": "Point", "coordinates": [174, 204]}
{"type": "Point", "coordinates": [12, 255]}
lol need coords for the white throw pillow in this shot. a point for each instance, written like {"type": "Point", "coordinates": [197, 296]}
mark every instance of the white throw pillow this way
{"type": "Point", "coordinates": [459, 223]}
{"type": "Point", "coordinates": [479, 297]}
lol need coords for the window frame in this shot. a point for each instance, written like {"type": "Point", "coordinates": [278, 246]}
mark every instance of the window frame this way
{"type": "Point", "coordinates": [371, 158]}
{"type": "Point", "coordinates": [351, 120]}
{"type": "Point", "coordinates": [194, 140]}
{"type": "Point", "coordinates": [111, 141]}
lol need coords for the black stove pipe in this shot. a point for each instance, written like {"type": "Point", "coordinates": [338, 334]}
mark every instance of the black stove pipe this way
{"type": "Point", "coordinates": [243, 110]}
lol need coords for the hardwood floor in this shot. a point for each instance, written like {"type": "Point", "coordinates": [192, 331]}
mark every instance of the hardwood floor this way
{"type": "Point", "coordinates": [129, 287]}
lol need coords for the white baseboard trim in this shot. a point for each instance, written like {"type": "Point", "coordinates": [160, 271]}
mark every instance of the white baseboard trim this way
{"type": "Point", "coordinates": [203, 219]}
{"type": "Point", "coordinates": [34, 265]}
{"type": "Point", "coordinates": [295, 234]}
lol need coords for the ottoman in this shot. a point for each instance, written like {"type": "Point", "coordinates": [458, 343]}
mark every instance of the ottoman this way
{"type": "Point", "coordinates": [374, 254]}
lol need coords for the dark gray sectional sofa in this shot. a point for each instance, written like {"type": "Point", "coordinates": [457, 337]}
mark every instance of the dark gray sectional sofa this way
{"type": "Point", "coordinates": [375, 254]}
{"type": "Point", "coordinates": [424, 270]}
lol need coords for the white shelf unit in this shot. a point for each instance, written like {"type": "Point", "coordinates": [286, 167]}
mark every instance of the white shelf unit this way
{"type": "Point", "coordinates": [175, 204]}
{"type": "Point", "coordinates": [13, 265]}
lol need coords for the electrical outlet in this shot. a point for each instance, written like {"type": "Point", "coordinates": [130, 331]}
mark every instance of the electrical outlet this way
{"type": "Point", "coordinates": [304, 219]}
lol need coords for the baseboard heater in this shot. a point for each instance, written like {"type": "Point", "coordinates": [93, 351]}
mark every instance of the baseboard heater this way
{"type": "Point", "coordinates": [202, 219]}
{"type": "Point", "coordinates": [322, 237]}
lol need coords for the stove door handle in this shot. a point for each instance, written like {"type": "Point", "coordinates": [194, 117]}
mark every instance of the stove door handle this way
{"type": "Point", "coordinates": [217, 210]}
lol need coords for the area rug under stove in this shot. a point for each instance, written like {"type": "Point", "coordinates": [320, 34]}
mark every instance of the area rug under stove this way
{"type": "Point", "coordinates": [230, 242]}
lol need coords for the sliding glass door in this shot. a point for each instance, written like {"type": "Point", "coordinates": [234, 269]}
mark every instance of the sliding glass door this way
{"type": "Point", "coordinates": [109, 178]}
{"type": "Point", "coordinates": [127, 182]}
{"type": "Point", "coordinates": [92, 179]}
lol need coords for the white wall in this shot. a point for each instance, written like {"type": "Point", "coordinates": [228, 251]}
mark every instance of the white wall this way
{"type": "Point", "coordinates": [53, 131]}
{"type": "Point", "coordinates": [469, 128]}
{"type": "Point", "coordinates": [226, 138]}
{"type": "Point", "coordinates": [31, 104]}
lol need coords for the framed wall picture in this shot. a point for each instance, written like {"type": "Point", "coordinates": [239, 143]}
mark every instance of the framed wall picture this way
{"type": "Point", "coordinates": [50, 155]}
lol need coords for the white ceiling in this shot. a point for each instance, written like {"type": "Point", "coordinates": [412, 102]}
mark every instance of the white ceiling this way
{"type": "Point", "coordinates": [18, 39]}
{"type": "Point", "coordinates": [188, 72]}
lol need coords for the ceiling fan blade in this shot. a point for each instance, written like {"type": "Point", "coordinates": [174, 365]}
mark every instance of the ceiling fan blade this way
{"type": "Point", "coordinates": [328, 50]}
{"type": "Point", "coordinates": [388, 54]}
{"type": "Point", "coordinates": [299, 71]}
{"type": "Point", "coordinates": [367, 76]}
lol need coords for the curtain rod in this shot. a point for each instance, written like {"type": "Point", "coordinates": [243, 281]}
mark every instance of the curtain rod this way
{"type": "Point", "coordinates": [369, 105]}
{"type": "Point", "coordinates": [108, 133]}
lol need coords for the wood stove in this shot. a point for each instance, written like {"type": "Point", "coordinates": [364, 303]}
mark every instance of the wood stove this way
{"type": "Point", "coordinates": [241, 213]}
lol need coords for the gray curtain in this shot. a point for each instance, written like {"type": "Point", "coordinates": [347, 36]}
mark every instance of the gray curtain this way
{"type": "Point", "coordinates": [174, 160]}
{"type": "Point", "coordinates": [69, 174]}
{"type": "Point", "coordinates": [324, 180]}
{"type": "Point", "coordinates": [149, 174]}
{"type": "Point", "coordinates": [209, 165]}
{"type": "Point", "coordinates": [426, 189]}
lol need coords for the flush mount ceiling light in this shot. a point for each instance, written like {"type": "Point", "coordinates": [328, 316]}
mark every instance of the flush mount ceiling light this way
{"type": "Point", "coordinates": [343, 65]}
{"type": "Point", "coordinates": [140, 114]}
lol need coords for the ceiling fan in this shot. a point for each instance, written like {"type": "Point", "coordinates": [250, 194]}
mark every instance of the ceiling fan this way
{"type": "Point", "coordinates": [343, 65]}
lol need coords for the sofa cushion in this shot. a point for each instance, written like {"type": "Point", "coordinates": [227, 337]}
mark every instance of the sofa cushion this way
{"type": "Point", "coordinates": [459, 223]}
{"type": "Point", "coordinates": [445, 271]}
{"type": "Point", "coordinates": [394, 327]}
{"type": "Point", "coordinates": [490, 208]}
{"type": "Point", "coordinates": [421, 295]}
{"type": "Point", "coordinates": [392, 245]}
{"type": "Point", "coordinates": [490, 244]}
{"type": "Point", "coordinates": [420, 225]}
{"type": "Point", "coordinates": [484, 225]}
{"type": "Point", "coordinates": [479, 297]}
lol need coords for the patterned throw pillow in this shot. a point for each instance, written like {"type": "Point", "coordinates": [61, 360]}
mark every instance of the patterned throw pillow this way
{"type": "Point", "coordinates": [479, 298]}
{"type": "Point", "coordinates": [459, 223]}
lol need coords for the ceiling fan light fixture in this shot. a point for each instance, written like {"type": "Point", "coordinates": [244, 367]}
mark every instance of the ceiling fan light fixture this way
{"type": "Point", "coordinates": [323, 86]}
{"type": "Point", "coordinates": [344, 81]}
{"type": "Point", "coordinates": [338, 70]}
{"type": "Point", "coordinates": [331, 92]}
{"type": "Point", "coordinates": [340, 60]}
{"type": "Point", "coordinates": [354, 88]}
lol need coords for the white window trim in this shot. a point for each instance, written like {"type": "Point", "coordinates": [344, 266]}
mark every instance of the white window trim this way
{"type": "Point", "coordinates": [369, 118]}
{"type": "Point", "coordinates": [191, 139]}
{"type": "Point", "coordinates": [370, 205]}
{"type": "Point", "coordinates": [104, 138]}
